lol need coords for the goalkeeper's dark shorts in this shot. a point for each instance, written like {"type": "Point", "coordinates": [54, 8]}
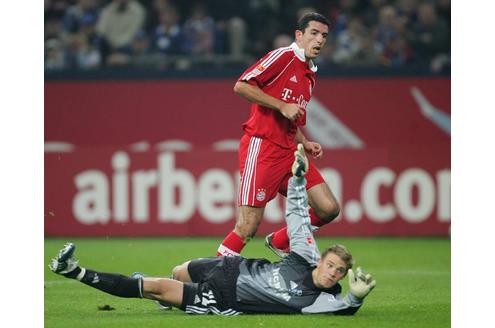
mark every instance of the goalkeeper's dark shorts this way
{"type": "Point", "coordinates": [213, 289]}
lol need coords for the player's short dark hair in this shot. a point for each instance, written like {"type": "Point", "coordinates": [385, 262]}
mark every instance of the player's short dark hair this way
{"type": "Point", "coordinates": [342, 252]}
{"type": "Point", "coordinates": [304, 20]}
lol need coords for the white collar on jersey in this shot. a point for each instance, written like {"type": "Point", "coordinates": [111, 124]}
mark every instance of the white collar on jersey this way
{"type": "Point", "coordinates": [300, 54]}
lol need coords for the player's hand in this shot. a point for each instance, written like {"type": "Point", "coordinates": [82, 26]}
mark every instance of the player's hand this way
{"type": "Point", "coordinates": [360, 284]}
{"type": "Point", "coordinates": [291, 111]}
{"type": "Point", "coordinates": [314, 149]}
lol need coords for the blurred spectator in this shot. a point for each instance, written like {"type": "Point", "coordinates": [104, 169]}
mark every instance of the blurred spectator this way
{"type": "Point", "coordinates": [199, 31]}
{"type": "Point", "coordinates": [141, 50]}
{"type": "Point", "coordinates": [439, 62]}
{"type": "Point", "coordinates": [303, 11]}
{"type": "Point", "coordinates": [237, 30]}
{"type": "Point", "coordinates": [390, 44]}
{"type": "Point", "coordinates": [354, 45]}
{"type": "Point", "coordinates": [83, 44]}
{"type": "Point", "coordinates": [262, 17]}
{"type": "Point", "coordinates": [80, 54]}
{"type": "Point", "coordinates": [118, 24]}
{"type": "Point", "coordinates": [231, 28]}
{"type": "Point", "coordinates": [348, 42]}
{"type": "Point", "coordinates": [407, 14]}
{"type": "Point", "coordinates": [443, 10]}
{"type": "Point", "coordinates": [386, 29]}
{"type": "Point", "coordinates": [168, 36]}
{"type": "Point", "coordinates": [160, 5]}
{"type": "Point", "coordinates": [87, 27]}
{"type": "Point", "coordinates": [367, 55]}
{"type": "Point", "coordinates": [231, 36]}
{"type": "Point", "coordinates": [140, 44]}
{"type": "Point", "coordinates": [397, 52]}
{"type": "Point", "coordinates": [430, 36]}
{"type": "Point", "coordinates": [53, 28]}
{"type": "Point", "coordinates": [282, 40]}
{"type": "Point", "coordinates": [55, 9]}
{"type": "Point", "coordinates": [346, 10]}
{"type": "Point", "coordinates": [155, 7]}
{"type": "Point", "coordinates": [86, 10]}
{"type": "Point", "coordinates": [54, 55]}
{"type": "Point", "coordinates": [371, 12]}
{"type": "Point", "coordinates": [53, 35]}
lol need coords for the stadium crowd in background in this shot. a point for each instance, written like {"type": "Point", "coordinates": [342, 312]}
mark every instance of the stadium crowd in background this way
{"type": "Point", "coordinates": [90, 34]}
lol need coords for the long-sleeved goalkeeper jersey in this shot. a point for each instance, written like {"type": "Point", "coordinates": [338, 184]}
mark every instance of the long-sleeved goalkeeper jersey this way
{"type": "Point", "coordinates": [287, 286]}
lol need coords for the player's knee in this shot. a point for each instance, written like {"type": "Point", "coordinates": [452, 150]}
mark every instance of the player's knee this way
{"type": "Point", "coordinates": [178, 272]}
{"type": "Point", "coordinates": [246, 230]}
{"type": "Point", "coordinates": [153, 288]}
{"type": "Point", "coordinates": [330, 211]}
{"type": "Point", "coordinates": [175, 272]}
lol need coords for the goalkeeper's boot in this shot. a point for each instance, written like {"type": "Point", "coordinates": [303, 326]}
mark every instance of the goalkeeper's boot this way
{"type": "Point", "coordinates": [279, 252]}
{"type": "Point", "coordinates": [300, 165]}
{"type": "Point", "coordinates": [65, 262]}
{"type": "Point", "coordinates": [161, 304]}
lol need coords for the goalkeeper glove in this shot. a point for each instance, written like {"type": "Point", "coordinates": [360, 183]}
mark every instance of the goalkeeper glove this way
{"type": "Point", "coordinates": [360, 284]}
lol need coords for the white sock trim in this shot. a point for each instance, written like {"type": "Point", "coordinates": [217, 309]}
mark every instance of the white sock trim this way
{"type": "Point", "coordinates": [81, 274]}
{"type": "Point", "coordinates": [225, 251]}
{"type": "Point", "coordinates": [140, 285]}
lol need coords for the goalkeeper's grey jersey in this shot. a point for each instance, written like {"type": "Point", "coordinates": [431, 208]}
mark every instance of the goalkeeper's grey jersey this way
{"type": "Point", "coordinates": [287, 286]}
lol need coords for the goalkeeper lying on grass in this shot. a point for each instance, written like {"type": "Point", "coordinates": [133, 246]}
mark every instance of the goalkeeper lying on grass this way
{"type": "Point", "coordinates": [303, 282]}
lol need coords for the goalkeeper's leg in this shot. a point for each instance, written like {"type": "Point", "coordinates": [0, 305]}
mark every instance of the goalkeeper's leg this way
{"type": "Point", "coordinates": [160, 289]}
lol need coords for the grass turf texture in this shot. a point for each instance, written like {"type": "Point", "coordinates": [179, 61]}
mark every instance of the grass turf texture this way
{"type": "Point", "coordinates": [413, 284]}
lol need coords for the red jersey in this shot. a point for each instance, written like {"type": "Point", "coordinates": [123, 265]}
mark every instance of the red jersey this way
{"type": "Point", "coordinates": [284, 74]}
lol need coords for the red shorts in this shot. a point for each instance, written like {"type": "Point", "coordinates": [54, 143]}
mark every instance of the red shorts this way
{"type": "Point", "coordinates": [265, 170]}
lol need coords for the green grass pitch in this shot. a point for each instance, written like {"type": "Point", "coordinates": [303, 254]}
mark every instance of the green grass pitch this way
{"type": "Point", "coordinates": [413, 284]}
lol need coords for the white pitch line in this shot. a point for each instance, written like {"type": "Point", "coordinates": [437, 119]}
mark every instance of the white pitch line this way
{"type": "Point", "coordinates": [59, 282]}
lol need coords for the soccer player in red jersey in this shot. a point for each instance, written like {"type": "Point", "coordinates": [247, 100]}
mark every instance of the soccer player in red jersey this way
{"type": "Point", "coordinates": [279, 86]}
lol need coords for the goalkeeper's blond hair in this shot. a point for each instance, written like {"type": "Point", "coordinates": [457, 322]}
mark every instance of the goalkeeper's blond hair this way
{"type": "Point", "coordinates": [342, 252]}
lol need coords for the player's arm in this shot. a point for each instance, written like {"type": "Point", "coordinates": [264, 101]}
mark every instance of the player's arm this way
{"type": "Point", "coordinates": [254, 94]}
{"type": "Point", "coordinates": [301, 238]}
{"type": "Point", "coordinates": [334, 304]}
{"type": "Point", "coordinates": [310, 147]}
{"type": "Point", "coordinates": [360, 285]}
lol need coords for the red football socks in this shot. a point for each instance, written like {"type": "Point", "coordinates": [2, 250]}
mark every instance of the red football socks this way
{"type": "Point", "coordinates": [232, 245]}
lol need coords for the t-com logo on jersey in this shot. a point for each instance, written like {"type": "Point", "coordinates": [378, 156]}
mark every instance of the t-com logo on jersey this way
{"type": "Point", "coordinates": [287, 96]}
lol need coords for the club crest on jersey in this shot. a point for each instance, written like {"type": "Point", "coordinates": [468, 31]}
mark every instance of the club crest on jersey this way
{"type": "Point", "coordinates": [261, 194]}
{"type": "Point", "coordinates": [261, 68]}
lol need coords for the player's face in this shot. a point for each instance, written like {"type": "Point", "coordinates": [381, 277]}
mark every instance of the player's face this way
{"type": "Point", "coordinates": [329, 271]}
{"type": "Point", "coordinates": [312, 39]}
